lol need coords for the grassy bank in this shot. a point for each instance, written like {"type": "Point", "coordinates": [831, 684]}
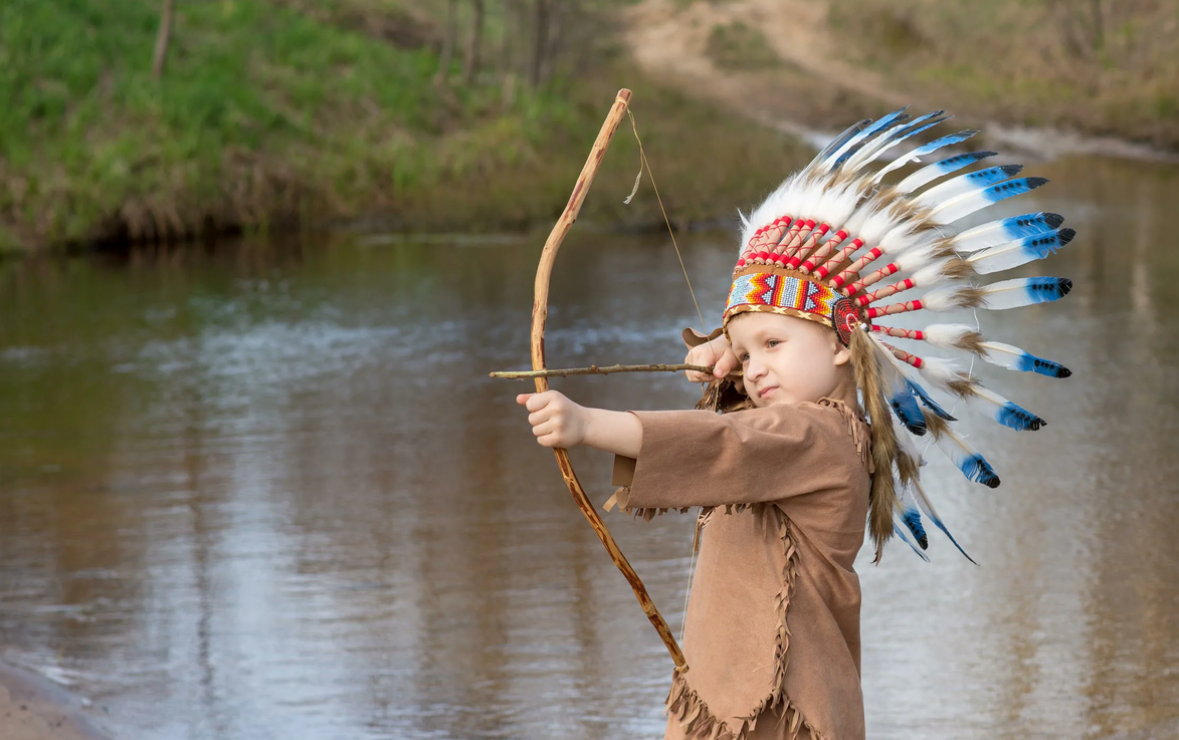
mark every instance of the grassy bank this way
{"type": "Point", "coordinates": [270, 112]}
{"type": "Point", "coordinates": [1102, 67]}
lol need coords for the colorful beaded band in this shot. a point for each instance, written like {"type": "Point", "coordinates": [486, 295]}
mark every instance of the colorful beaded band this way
{"type": "Point", "coordinates": [789, 293]}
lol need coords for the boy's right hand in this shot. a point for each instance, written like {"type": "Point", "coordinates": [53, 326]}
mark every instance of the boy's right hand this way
{"type": "Point", "coordinates": [556, 421]}
{"type": "Point", "coordinates": [716, 353]}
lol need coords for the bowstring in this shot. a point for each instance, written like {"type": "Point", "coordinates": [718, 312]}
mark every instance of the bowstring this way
{"type": "Point", "coordinates": [644, 165]}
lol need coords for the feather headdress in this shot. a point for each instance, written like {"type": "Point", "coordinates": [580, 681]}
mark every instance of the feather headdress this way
{"type": "Point", "coordinates": [822, 247]}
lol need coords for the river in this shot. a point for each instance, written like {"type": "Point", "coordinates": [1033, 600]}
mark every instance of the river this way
{"type": "Point", "coordinates": [266, 490]}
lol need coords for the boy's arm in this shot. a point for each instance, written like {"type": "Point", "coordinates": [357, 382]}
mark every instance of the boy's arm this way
{"type": "Point", "coordinates": [558, 422]}
{"type": "Point", "coordinates": [698, 458]}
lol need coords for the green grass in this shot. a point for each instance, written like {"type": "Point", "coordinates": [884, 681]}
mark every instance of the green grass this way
{"type": "Point", "coordinates": [267, 113]}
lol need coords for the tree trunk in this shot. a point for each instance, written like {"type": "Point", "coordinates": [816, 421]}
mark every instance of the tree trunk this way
{"type": "Point", "coordinates": [474, 44]}
{"type": "Point", "coordinates": [1097, 24]}
{"type": "Point", "coordinates": [557, 19]}
{"type": "Point", "coordinates": [540, 29]}
{"type": "Point", "coordinates": [162, 39]}
{"type": "Point", "coordinates": [448, 42]}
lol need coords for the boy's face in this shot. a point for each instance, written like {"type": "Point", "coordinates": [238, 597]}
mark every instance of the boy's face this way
{"type": "Point", "coordinates": [786, 359]}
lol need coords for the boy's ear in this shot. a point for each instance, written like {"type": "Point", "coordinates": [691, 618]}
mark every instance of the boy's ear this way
{"type": "Point", "coordinates": [842, 354]}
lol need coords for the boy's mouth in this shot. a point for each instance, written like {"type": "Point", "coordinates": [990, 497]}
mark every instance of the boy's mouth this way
{"type": "Point", "coordinates": [767, 390]}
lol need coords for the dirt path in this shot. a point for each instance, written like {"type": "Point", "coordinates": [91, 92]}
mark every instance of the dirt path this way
{"type": "Point", "coordinates": [813, 93]}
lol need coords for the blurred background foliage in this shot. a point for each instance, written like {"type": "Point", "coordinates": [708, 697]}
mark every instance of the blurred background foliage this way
{"type": "Point", "coordinates": [476, 114]}
{"type": "Point", "coordinates": [1100, 66]}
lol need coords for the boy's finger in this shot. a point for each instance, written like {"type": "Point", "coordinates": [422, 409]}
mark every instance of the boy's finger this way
{"type": "Point", "coordinates": [541, 430]}
{"type": "Point", "coordinates": [537, 401]}
{"type": "Point", "coordinates": [539, 417]}
{"type": "Point", "coordinates": [522, 399]}
{"type": "Point", "coordinates": [725, 365]}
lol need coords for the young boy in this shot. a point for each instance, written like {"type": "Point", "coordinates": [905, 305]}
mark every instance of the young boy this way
{"type": "Point", "coordinates": [791, 478]}
{"type": "Point", "coordinates": [789, 475]}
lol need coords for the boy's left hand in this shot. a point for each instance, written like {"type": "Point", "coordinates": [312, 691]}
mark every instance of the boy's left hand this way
{"type": "Point", "coordinates": [556, 421]}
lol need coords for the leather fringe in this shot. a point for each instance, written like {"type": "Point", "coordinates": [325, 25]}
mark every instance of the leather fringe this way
{"type": "Point", "coordinates": [698, 723]}
{"type": "Point", "coordinates": [857, 429]}
{"type": "Point", "coordinates": [621, 499]}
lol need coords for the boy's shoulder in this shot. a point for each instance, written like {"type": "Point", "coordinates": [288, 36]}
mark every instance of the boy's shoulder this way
{"type": "Point", "coordinates": [828, 418]}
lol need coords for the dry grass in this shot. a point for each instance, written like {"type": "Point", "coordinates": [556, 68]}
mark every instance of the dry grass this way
{"type": "Point", "coordinates": [1039, 62]}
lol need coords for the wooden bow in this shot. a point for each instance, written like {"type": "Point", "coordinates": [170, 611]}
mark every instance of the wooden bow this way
{"type": "Point", "coordinates": [540, 314]}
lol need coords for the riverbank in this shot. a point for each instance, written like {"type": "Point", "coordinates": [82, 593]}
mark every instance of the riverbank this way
{"type": "Point", "coordinates": [1027, 75]}
{"type": "Point", "coordinates": [284, 113]}
{"type": "Point", "coordinates": [270, 114]}
{"type": "Point", "coordinates": [34, 708]}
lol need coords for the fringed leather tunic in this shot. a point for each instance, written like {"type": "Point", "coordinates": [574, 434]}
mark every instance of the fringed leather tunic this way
{"type": "Point", "coordinates": [772, 638]}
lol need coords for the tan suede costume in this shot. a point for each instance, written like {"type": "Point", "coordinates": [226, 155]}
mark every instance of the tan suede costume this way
{"type": "Point", "coordinates": [773, 625]}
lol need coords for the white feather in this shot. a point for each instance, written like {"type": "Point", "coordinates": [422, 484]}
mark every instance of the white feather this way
{"type": "Point", "coordinates": [961, 206]}
{"type": "Point", "coordinates": [981, 237]}
{"type": "Point", "coordinates": [1008, 294]}
{"type": "Point", "coordinates": [929, 276]}
{"type": "Point", "coordinates": [916, 259]}
{"type": "Point", "coordinates": [954, 447]}
{"type": "Point", "coordinates": [947, 336]}
{"type": "Point", "coordinates": [1002, 257]}
{"type": "Point", "coordinates": [943, 373]}
{"type": "Point", "coordinates": [904, 237]}
{"type": "Point", "coordinates": [1003, 355]}
{"type": "Point", "coordinates": [943, 299]}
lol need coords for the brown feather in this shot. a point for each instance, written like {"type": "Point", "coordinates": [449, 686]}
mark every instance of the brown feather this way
{"type": "Point", "coordinates": [883, 498]}
{"type": "Point", "coordinates": [957, 268]}
{"type": "Point", "coordinates": [972, 341]}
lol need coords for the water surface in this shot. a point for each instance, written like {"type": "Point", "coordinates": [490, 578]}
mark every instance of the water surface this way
{"type": "Point", "coordinates": [267, 491]}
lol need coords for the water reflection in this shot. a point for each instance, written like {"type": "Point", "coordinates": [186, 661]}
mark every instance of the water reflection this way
{"type": "Point", "coordinates": [266, 491]}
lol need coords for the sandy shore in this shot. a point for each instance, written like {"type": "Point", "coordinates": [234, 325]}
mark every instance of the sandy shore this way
{"type": "Point", "coordinates": [34, 708]}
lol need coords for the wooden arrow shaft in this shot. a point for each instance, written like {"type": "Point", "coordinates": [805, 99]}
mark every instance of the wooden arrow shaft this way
{"type": "Point", "coordinates": [539, 317]}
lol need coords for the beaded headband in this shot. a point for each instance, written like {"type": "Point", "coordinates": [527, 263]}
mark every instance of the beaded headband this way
{"type": "Point", "coordinates": [781, 272]}
{"type": "Point", "coordinates": [790, 293]}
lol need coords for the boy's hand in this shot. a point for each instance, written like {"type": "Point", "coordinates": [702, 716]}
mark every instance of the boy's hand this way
{"type": "Point", "coordinates": [556, 421]}
{"type": "Point", "coordinates": [717, 353]}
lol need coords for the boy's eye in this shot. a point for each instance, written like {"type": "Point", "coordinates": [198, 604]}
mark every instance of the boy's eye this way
{"type": "Point", "coordinates": [773, 343]}
{"type": "Point", "coordinates": [744, 357]}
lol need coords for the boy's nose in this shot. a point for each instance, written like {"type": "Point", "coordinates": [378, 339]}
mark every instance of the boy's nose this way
{"type": "Point", "coordinates": [755, 370]}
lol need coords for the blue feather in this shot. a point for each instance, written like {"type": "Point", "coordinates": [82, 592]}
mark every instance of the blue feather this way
{"type": "Point", "coordinates": [948, 140]}
{"type": "Point", "coordinates": [912, 520]}
{"type": "Point", "coordinates": [976, 468]}
{"type": "Point", "coordinates": [994, 174]}
{"type": "Point", "coordinates": [1029, 363]}
{"type": "Point", "coordinates": [904, 405]}
{"type": "Point", "coordinates": [842, 139]}
{"type": "Point", "coordinates": [1019, 419]}
{"type": "Point", "coordinates": [1048, 289]}
{"type": "Point", "coordinates": [955, 163]}
{"type": "Point", "coordinates": [1006, 230]}
{"type": "Point", "coordinates": [870, 151]}
{"type": "Point", "coordinates": [901, 533]}
{"type": "Point", "coordinates": [1045, 244]}
{"type": "Point", "coordinates": [1012, 188]}
{"type": "Point", "coordinates": [1019, 251]}
{"type": "Point", "coordinates": [927, 506]}
{"type": "Point", "coordinates": [928, 401]}
{"type": "Point", "coordinates": [856, 141]}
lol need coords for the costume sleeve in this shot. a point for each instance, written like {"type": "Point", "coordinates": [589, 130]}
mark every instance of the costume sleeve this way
{"type": "Point", "coordinates": [699, 458]}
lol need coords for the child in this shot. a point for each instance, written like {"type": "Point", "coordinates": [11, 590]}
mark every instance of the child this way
{"type": "Point", "coordinates": [793, 473]}
{"type": "Point", "coordinates": [789, 477]}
